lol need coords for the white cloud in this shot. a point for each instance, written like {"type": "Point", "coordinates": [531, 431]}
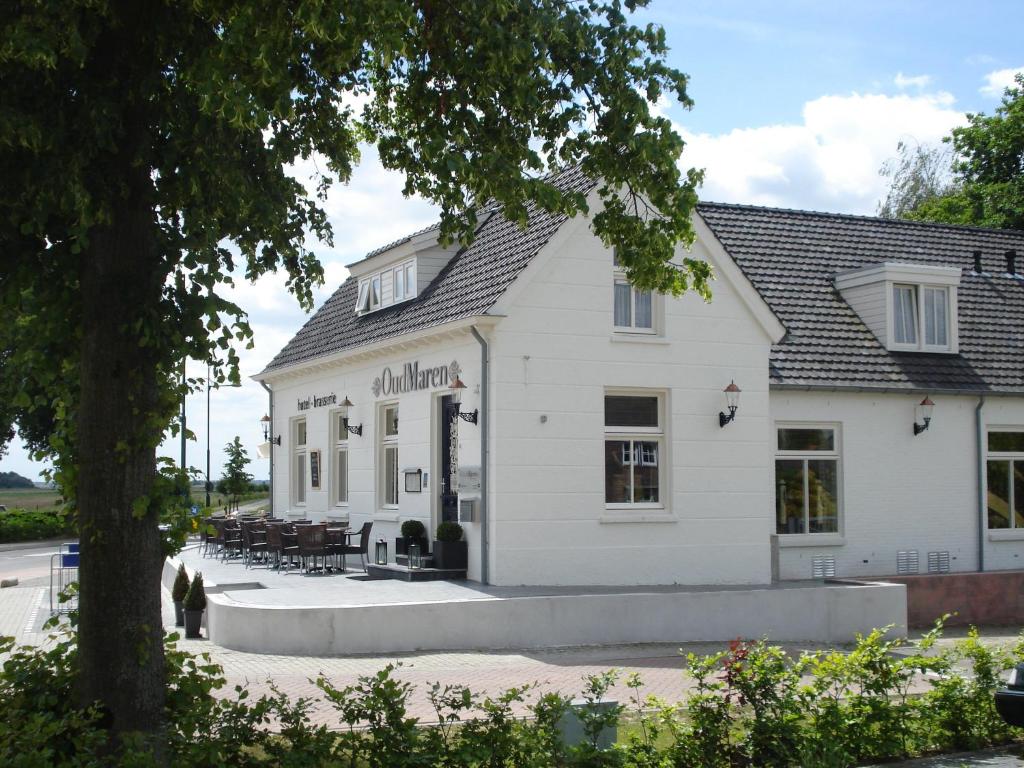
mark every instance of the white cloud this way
{"type": "Point", "coordinates": [911, 81]}
{"type": "Point", "coordinates": [828, 161]}
{"type": "Point", "coordinates": [998, 81]}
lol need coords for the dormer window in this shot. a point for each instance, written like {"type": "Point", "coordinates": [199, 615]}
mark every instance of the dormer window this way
{"type": "Point", "coordinates": [917, 308]}
{"type": "Point", "coordinates": [387, 287]}
{"type": "Point", "coordinates": [909, 307]}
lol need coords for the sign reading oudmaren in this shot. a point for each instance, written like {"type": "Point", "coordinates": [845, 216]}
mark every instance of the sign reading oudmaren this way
{"type": "Point", "coordinates": [413, 378]}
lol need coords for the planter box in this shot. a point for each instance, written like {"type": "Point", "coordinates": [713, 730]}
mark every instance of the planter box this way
{"type": "Point", "coordinates": [179, 613]}
{"type": "Point", "coordinates": [193, 623]}
{"type": "Point", "coordinates": [451, 555]}
{"type": "Point", "coordinates": [402, 545]}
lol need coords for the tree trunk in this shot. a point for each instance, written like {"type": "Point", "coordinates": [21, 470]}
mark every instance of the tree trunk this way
{"type": "Point", "coordinates": [120, 634]}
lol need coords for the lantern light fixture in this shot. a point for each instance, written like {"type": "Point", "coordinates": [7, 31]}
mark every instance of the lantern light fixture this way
{"type": "Point", "coordinates": [925, 407]}
{"type": "Point", "coordinates": [381, 552]}
{"type": "Point", "coordinates": [265, 424]}
{"type": "Point", "coordinates": [456, 388]}
{"type": "Point", "coordinates": [732, 402]}
{"type": "Point", "coordinates": [345, 405]}
{"type": "Point", "coordinates": [415, 557]}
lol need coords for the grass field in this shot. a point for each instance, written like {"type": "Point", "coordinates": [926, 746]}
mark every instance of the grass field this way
{"type": "Point", "coordinates": [28, 498]}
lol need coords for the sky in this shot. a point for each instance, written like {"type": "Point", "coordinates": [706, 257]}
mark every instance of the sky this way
{"type": "Point", "coordinates": [798, 103]}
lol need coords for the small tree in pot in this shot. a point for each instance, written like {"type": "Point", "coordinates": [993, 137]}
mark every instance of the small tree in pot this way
{"type": "Point", "coordinates": [413, 532]}
{"type": "Point", "coordinates": [178, 592]}
{"type": "Point", "coordinates": [450, 551]}
{"type": "Point", "coordinates": [195, 604]}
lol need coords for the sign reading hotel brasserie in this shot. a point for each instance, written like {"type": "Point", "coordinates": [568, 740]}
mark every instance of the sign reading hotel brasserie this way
{"type": "Point", "coordinates": [317, 401]}
{"type": "Point", "coordinates": [413, 378]}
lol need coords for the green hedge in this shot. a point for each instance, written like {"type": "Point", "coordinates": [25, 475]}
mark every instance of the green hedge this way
{"type": "Point", "coordinates": [751, 705]}
{"type": "Point", "coordinates": [32, 525]}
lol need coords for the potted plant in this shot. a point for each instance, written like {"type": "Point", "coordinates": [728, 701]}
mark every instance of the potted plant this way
{"type": "Point", "coordinates": [178, 592]}
{"type": "Point", "coordinates": [195, 604]}
{"type": "Point", "coordinates": [450, 551]}
{"type": "Point", "coordinates": [413, 532]}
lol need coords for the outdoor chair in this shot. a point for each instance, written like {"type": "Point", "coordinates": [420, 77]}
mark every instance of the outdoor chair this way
{"type": "Point", "coordinates": [312, 544]}
{"type": "Point", "coordinates": [254, 541]}
{"type": "Point", "coordinates": [362, 549]}
{"type": "Point", "coordinates": [282, 544]}
{"type": "Point", "coordinates": [232, 539]}
{"type": "Point", "coordinates": [204, 535]}
{"type": "Point", "coordinates": [215, 535]}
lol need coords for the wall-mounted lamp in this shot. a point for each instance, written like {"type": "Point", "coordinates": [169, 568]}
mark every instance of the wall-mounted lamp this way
{"type": "Point", "coordinates": [925, 408]}
{"type": "Point", "coordinates": [456, 389]}
{"type": "Point", "coordinates": [732, 402]}
{"type": "Point", "coordinates": [345, 405]}
{"type": "Point", "coordinates": [265, 423]}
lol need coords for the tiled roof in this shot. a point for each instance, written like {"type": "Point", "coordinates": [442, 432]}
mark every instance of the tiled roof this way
{"type": "Point", "coordinates": [467, 287]}
{"type": "Point", "coordinates": [792, 257]}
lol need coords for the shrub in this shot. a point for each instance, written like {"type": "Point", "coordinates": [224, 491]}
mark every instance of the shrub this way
{"type": "Point", "coordinates": [413, 529]}
{"type": "Point", "coordinates": [180, 588]}
{"type": "Point", "coordinates": [195, 599]}
{"type": "Point", "coordinates": [33, 525]}
{"type": "Point", "coordinates": [449, 531]}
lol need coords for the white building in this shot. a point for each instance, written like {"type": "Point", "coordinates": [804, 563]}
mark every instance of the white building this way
{"type": "Point", "coordinates": [598, 456]}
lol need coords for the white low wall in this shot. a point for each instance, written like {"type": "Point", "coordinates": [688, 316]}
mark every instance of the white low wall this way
{"type": "Point", "coordinates": [821, 613]}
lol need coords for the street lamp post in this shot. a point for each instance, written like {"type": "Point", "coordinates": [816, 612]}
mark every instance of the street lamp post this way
{"type": "Point", "coordinates": [207, 435]}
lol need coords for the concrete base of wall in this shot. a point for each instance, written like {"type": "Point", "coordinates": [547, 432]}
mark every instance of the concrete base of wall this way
{"type": "Point", "coordinates": [993, 597]}
{"type": "Point", "coordinates": [257, 622]}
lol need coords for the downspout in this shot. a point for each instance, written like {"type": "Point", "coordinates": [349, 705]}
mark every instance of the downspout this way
{"type": "Point", "coordinates": [982, 526]}
{"type": "Point", "coordinates": [270, 435]}
{"type": "Point", "coordinates": [484, 452]}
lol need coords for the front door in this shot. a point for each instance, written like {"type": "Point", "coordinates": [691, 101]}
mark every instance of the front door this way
{"type": "Point", "coordinates": [448, 482]}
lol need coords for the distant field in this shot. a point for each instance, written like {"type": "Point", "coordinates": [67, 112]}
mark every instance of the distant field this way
{"type": "Point", "coordinates": [28, 498]}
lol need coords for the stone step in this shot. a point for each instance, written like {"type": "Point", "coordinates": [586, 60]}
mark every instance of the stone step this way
{"type": "Point", "coordinates": [402, 573]}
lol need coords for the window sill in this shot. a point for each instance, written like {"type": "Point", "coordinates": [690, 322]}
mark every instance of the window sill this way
{"type": "Point", "coordinates": [615, 517]}
{"type": "Point", "coordinates": [787, 540]}
{"type": "Point", "coordinates": [639, 338]}
{"type": "Point", "coordinates": [1006, 534]}
{"type": "Point", "coordinates": [386, 516]}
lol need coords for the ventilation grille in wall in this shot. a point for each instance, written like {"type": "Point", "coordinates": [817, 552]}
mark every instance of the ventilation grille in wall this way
{"type": "Point", "coordinates": [823, 567]}
{"type": "Point", "coordinates": [907, 561]}
{"type": "Point", "coordinates": [938, 562]}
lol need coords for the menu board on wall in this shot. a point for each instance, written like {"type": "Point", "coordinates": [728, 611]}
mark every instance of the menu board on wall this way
{"type": "Point", "coordinates": [314, 470]}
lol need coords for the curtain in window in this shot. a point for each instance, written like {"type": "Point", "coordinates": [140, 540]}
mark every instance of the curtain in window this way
{"type": "Point", "coordinates": [935, 317]}
{"type": "Point", "coordinates": [623, 302]}
{"type": "Point", "coordinates": [904, 314]}
{"type": "Point", "coordinates": [644, 315]}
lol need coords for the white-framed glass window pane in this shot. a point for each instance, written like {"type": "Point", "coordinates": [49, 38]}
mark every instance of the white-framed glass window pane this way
{"type": "Point", "coordinates": [822, 496]}
{"type": "Point", "coordinates": [998, 484]}
{"type": "Point", "coordinates": [340, 428]}
{"type": "Point", "coordinates": [645, 472]}
{"type": "Point", "coordinates": [631, 411]}
{"type": "Point", "coordinates": [375, 292]}
{"type": "Point", "coordinates": [644, 309]}
{"type": "Point", "coordinates": [623, 304]}
{"type": "Point", "coordinates": [789, 495]}
{"type": "Point", "coordinates": [410, 279]}
{"type": "Point", "coordinates": [300, 432]}
{"type": "Point", "coordinates": [391, 421]}
{"type": "Point", "coordinates": [618, 474]}
{"type": "Point", "coordinates": [904, 314]}
{"type": "Point", "coordinates": [341, 476]}
{"type": "Point", "coordinates": [936, 305]}
{"type": "Point", "coordinates": [299, 477]}
{"type": "Point", "coordinates": [363, 297]}
{"type": "Point", "coordinates": [1006, 442]}
{"type": "Point", "coordinates": [391, 475]}
{"type": "Point", "coordinates": [399, 283]}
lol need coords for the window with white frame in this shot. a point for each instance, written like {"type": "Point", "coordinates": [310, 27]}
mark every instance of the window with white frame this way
{"type": "Point", "coordinates": [405, 281]}
{"type": "Point", "coordinates": [633, 309]}
{"type": "Point", "coordinates": [634, 443]}
{"type": "Point", "coordinates": [920, 315]}
{"type": "Point", "coordinates": [807, 479]}
{"type": "Point", "coordinates": [1005, 479]}
{"type": "Point", "coordinates": [298, 462]}
{"type": "Point", "coordinates": [389, 455]}
{"type": "Point", "coordinates": [339, 459]}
